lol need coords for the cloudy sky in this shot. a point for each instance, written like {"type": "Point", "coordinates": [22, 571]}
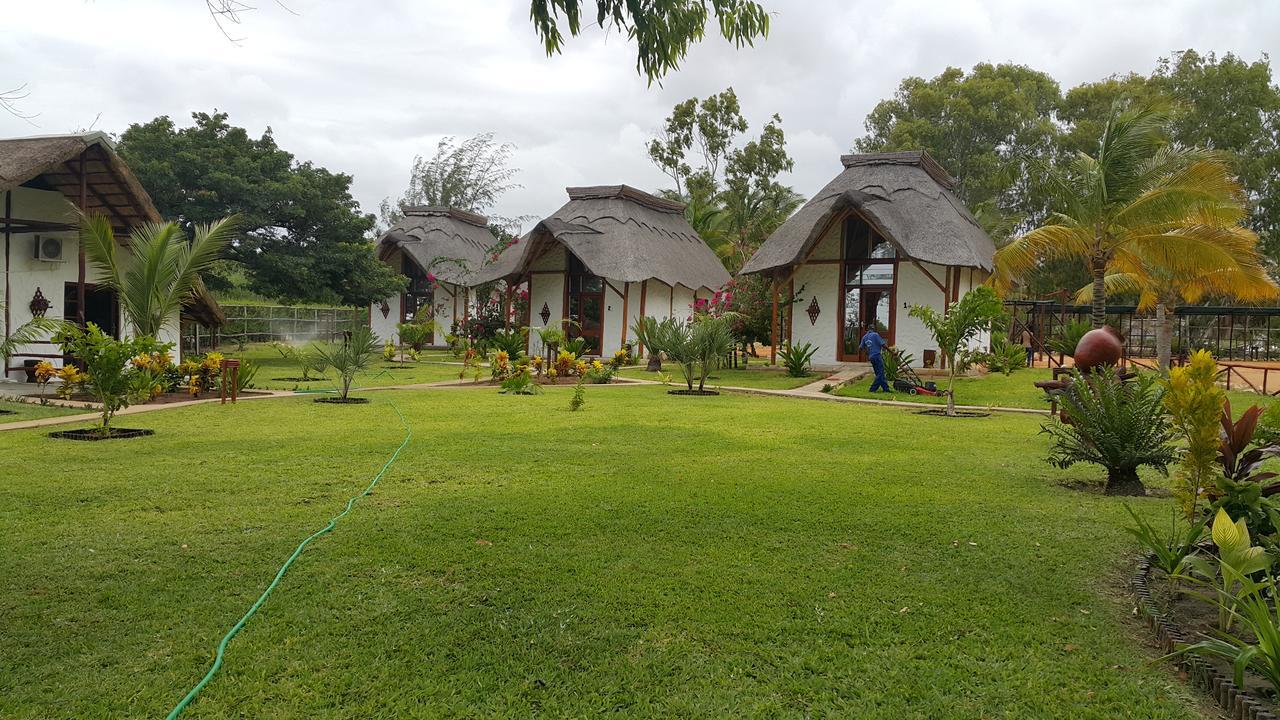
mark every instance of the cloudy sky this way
{"type": "Point", "coordinates": [361, 86]}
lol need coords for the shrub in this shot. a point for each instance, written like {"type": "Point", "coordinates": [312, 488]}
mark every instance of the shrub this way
{"type": "Point", "coordinates": [894, 361]}
{"type": "Point", "coordinates": [954, 329]}
{"type": "Point", "coordinates": [45, 372]}
{"type": "Point", "coordinates": [1118, 425]}
{"type": "Point", "coordinates": [1168, 549]}
{"type": "Point", "coordinates": [698, 347]}
{"type": "Point", "coordinates": [388, 351]}
{"type": "Point", "coordinates": [501, 367]}
{"type": "Point", "coordinates": [110, 376]}
{"type": "Point", "coordinates": [350, 357]}
{"type": "Point", "coordinates": [797, 359]}
{"type": "Point", "coordinates": [512, 342]}
{"type": "Point", "coordinates": [1068, 337]}
{"type": "Point", "coordinates": [598, 373]}
{"type": "Point", "coordinates": [244, 378]}
{"type": "Point", "coordinates": [566, 364]}
{"type": "Point", "coordinates": [520, 384]}
{"type": "Point", "coordinates": [1237, 559]}
{"type": "Point", "coordinates": [1194, 402]}
{"type": "Point", "coordinates": [576, 347]}
{"type": "Point", "coordinates": [416, 335]}
{"type": "Point", "coordinates": [1239, 486]}
{"type": "Point", "coordinates": [1004, 356]}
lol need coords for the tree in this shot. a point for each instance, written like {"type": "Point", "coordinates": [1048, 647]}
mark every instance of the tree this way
{"type": "Point", "coordinates": [1137, 199]}
{"type": "Point", "coordinates": [162, 269]}
{"type": "Point", "coordinates": [988, 128]}
{"type": "Point", "coordinates": [1230, 105]}
{"type": "Point", "coordinates": [350, 357]}
{"type": "Point", "coordinates": [470, 174]}
{"type": "Point", "coordinates": [302, 236]}
{"type": "Point", "coordinates": [663, 31]}
{"type": "Point", "coordinates": [1238, 273]}
{"type": "Point", "coordinates": [957, 327]}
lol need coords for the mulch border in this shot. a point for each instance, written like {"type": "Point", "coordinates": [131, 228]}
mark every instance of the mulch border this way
{"type": "Point", "coordinates": [88, 435]}
{"type": "Point", "coordinates": [1236, 701]}
{"type": "Point", "coordinates": [342, 401]}
{"type": "Point", "coordinates": [942, 412]}
{"type": "Point", "coordinates": [694, 393]}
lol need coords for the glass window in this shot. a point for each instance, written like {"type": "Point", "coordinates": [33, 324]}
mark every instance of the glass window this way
{"type": "Point", "coordinates": [862, 242]}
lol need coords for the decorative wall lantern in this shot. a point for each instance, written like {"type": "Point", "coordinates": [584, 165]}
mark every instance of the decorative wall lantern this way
{"type": "Point", "coordinates": [39, 304]}
{"type": "Point", "coordinates": [385, 308]}
{"type": "Point", "coordinates": [544, 313]}
{"type": "Point", "coordinates": [814, 311]}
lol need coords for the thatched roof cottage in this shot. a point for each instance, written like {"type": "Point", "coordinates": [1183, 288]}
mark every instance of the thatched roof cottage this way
{"type": "Point", "coordinates": [609, 256]}
{"type": "Point", "coordinates": [43, 182]}
{"type": "Point", "coordinates": [439, 250]}
{"type": "Point", "coordinates": [888, 232]}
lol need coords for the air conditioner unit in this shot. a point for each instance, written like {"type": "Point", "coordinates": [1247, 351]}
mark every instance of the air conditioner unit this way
{"type": "Point", "coordinates": [49, 249]}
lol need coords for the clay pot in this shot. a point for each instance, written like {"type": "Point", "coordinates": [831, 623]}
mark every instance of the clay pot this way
{"type": "Point", "coordinates": [1098, 348]}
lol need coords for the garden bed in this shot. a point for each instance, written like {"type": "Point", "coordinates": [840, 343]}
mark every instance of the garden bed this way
{"type": "Point", "coordinates": [1177, 620]}
{"type": "Point", "coordinates": [94, 434]}
{"type": "Point", "coordinates": [698, 393]}
{"type": "Point", "coordinates": [165, 398]}
{"type": "Point", "coordinates": [342, 401]}
{"type": "Point", "coordinates": [958, 413]}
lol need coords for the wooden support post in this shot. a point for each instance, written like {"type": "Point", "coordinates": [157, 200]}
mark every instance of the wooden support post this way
{"type": "Point", "coordinates": [626, 292]}
{"type": "Point", "coordinates": [8, 299]}
{"type": "Point", "coordinates": [506, 306]}
{"type": "Point", "coordinates": [644, 290]}
{"type": "Point", "coordinates": [773, 335]}
{"type": "Point", "coordinates": [80, 277]}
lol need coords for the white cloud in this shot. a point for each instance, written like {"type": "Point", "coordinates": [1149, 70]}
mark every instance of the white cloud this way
{"type": "Point", "coordinates": [362, 87]}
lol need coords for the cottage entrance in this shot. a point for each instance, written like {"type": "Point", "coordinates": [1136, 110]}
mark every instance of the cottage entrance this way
{"type": "Point", "coordinates": [869, 274]}
{"type": "Point", "coordinates": [586, 306]}
{"type": "Point", "coordinates": [100, 307]}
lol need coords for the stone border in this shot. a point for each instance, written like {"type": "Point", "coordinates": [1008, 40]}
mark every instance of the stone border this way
{"type": "Point", "coordinates": [1236, 701]}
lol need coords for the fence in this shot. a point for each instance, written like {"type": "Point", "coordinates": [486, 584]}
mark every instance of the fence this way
{"type": "Point", "coordinates": [1230, 333]}
{"type": "Point", "coordinates": [266, 323]}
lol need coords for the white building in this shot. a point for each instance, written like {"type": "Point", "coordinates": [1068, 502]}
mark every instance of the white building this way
{"type": "Point", "coordinates": [439, 250]}
{"type": "Point", "coordinates": [611, 255]}
{"type": "Point", "coordinates": [44, 181]}
{"type": "Point", "coordinates": [885, 234]}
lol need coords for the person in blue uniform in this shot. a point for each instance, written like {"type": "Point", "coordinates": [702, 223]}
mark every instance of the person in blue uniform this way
{"type": "Point", "coordinates": [874, 345]}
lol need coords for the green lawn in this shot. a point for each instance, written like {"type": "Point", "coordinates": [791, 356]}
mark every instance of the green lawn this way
{"type": "Point", "coordinates": [996, 389]}
{"type": "Point", "coordinates": [650, 556]}
{"type": "Point", "coordinates": [274, 369]}
{"type": "Point", "coordinates": [752, 377]}
{"type": "Point", "coordinates": [32, 411]}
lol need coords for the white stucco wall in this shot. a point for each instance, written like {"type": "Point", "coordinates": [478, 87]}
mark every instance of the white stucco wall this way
{"type": "Point", "coordinates": [546, 285]}
{"type": "Point", "coordinates": [821, 281]}
{"type": "Point", "coordinates": [26, 274]}
{"type": "Point", "coordinates": [613, 297]}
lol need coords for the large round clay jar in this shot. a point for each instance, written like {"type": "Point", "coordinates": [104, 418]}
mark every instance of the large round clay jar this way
{"type": "Point", "coordinates": [1098, 348]}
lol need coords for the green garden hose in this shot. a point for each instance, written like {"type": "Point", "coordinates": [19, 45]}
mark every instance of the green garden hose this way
{"type": "Point", "coordinates": [222, 646]}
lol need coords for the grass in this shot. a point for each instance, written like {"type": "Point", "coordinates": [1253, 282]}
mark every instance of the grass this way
{"type": "Point", "coordinates": [998, 390]}
{"type": "Point", "coordinates": [273, 369]}
{"type": "Point", "coordinates": [23, 411]}
{"type": "Point", "coordinates": [752, 377]}
{"type": "Point", "coordinates": [648, 557]}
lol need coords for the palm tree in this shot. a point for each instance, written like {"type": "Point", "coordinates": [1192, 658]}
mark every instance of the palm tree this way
{"type": "Point", "coordinates": [1242, 275]}
{"type": "Point", "coordinates": [1139, 200]}
{"type": "Point", "coordinates": [750, 216]}
{"type": "Point", "coordinates": [161, 270]}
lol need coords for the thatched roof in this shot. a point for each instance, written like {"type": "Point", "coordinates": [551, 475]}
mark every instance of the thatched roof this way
{"type": "Point", "coordinates": [906, 195]}
{"type": "Point", "coordinates": [621, 233]}
{"type": "Point", "coordinates": [55, 162]}
{"type": "Point", "coordinates": [449, 243]}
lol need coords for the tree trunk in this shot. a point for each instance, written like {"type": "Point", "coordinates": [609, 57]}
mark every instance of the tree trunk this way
{"type": "Point", "coordinates": [655, 362]}
{"type": "Point", "coordinates": [1098, 317]}
{"type": "Point", "coordinates": [951, 392]}
{"type": "Point", "coordinates": [1164, 338]}
{"type": "Point", "coordinates": [1124, 482]}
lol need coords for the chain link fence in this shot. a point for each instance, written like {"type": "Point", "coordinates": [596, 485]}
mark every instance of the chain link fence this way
{"type": "Point", "coordinates": [267, 323]}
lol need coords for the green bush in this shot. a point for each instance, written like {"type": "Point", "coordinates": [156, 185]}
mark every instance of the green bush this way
{"type": "Point", "coordinates": [1004, 356]}
{"type": "Point", "coordinates": [797, 359]}
{"type": "Point", "coordinates": [1118, 425]}
{"type": "Point", "coordinates": [894, 361]}
{"type": "Point", "coordinates": [109, 375]}
{"type": "Point", "coordinates": [510, 341]}
{"type": "Point", "coordinates": [1068, 338]}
